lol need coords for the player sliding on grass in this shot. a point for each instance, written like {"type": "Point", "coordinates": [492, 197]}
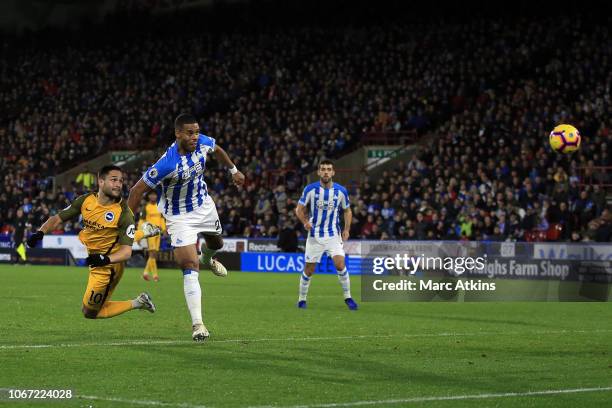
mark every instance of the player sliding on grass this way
{"type": "Point", "coordinates": [108, 234]}
{"type": "Point", "coordinates": [178, 177]}
{"type": "Point", "coordinates": [324, 200]}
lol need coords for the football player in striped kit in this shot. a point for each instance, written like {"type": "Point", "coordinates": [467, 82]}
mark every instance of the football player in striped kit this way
{"type": "Point", "coordinates": [325, 201]}
{"type": "Point", "coordinates": [178, 178]}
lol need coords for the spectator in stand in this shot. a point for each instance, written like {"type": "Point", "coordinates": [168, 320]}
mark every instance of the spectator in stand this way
{"type": "Point", "coordinates": [86, 180]}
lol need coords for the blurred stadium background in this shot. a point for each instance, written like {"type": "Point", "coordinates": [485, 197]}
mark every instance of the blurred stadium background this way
{"type": "Point", "coordinates": [437, 117]}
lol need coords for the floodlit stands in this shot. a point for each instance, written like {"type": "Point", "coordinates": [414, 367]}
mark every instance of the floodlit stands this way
{"type": "Point", "coordinates": [283, 98]}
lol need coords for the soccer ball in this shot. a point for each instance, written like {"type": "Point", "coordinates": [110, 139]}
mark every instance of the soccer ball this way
{"type": "Point", "coordinates": [564, 139]}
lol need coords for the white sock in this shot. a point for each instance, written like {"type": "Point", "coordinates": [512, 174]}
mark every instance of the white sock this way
{"type": "Point", "coordinates": [304, 285]}
{"type": "Point", "coordinates": [193, 295]}
{"type": "Point", "coordinates": [345, 282]}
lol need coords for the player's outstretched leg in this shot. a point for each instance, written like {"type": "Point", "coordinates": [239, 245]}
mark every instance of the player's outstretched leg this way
{"type": "Point", "coordinates": [345, 282]}
{"type": "Point", "coordinates": [144, 302]}
{"type": "Point", "coordinates": [193, 296]}
{"type": "Point", "coordinates": [109, 309]}
{"type": "Point", "coordinates": [187, 258]}
{"type": "Point", "coordinates": [304, 285]}
{"type": "Point", "coordinates": [305, 279]}
{"type": "Point", "coordinates": [209, 249]}
{"type": "Point", "coordinates": [200, 333]}
{"type": "Point", "coordinates": [115, 308]}
{"type": "Point", "coordinates": [101, 285]}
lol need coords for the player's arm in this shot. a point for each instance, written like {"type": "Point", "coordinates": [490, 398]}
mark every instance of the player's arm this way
{"type": "Point", "coordinates": [136, 193]}
{"type": "Point", "coordinates": [348, 215]}
{"type": "Point", "coordinates": [223, 157]}
{"type": "Point", "coordinates": [300, 212]}
{"type": "Point", "coordinates": [125, 239]}
{"type": "Point", "coordinates": [348, 218]}
{"type": "Point", "coordinates": [149, 180]}
{"type": "Point", "coordinates": [53, 222]}
{"type": "Point", "coordinates": [123, 254]}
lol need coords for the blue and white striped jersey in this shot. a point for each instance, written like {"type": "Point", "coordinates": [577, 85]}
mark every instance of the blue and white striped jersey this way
{"type": "Point", "coordinates": [179, 179]}
{"type": "Point", "coordinates": [325, 205]}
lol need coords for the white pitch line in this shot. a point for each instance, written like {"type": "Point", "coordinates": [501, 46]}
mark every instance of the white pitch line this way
{"type": "Point", "coordinates": [281, 339]}
{"type": "Point", "coordinates": [109, 344]}
{"type": "Point", "coordinates": [363, 403]}
{"type": "Point", "coordinates": [140, 402]}
{"type": "Point", "coordinates": [443, 398]}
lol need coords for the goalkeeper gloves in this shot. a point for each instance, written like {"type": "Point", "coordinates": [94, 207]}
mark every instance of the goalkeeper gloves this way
{"type": "Point", "coordinates": [35, 238]}
{"type": "Point", "coordinates": [97, 260]}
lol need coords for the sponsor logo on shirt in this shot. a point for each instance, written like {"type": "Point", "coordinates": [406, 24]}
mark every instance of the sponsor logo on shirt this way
{"type": "Point", "coordinates": [131, 231]}
{"type": "Point", "coordinates": [321, 204]}
{"type": "Point", "coordinates": [190, 172]}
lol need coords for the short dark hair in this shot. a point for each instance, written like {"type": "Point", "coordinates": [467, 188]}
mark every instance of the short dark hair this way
{"type": "Point", "coordinates": [326, 161]}
{"type": "Point", "coordinates": [107, 169]}
{"type": "Point", "coordinates": [184, 119]}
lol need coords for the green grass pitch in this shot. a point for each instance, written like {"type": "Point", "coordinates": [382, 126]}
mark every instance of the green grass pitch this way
{"type": "Point", "coordinates": [265, 352]}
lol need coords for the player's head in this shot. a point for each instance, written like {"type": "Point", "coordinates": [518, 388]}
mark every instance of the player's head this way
{"type": "Point", "coordinates": [187, 131]}
{"type": "Point", "coordinates": [152, 197]}
{"type": "Point", "coordinates": [110, 181]}
{"type": "Point", "coordinates": [326, 171]}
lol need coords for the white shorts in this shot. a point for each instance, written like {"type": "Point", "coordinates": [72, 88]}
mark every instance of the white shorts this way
{"type": "Point", "coordinates": [316, 246]}
{"type": "Point", "coordinates": [184, 228]}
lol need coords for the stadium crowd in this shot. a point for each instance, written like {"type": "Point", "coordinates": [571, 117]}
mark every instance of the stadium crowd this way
{"type": "Point", "coordinates": [490, 174]}
{"type": "Point", "coordinates": [283, 99]}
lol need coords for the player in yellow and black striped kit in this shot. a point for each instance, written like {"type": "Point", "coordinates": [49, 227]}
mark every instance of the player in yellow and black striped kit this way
{"type": "Point", "coordinates": [152, 216]}
{"type": "Point", "coordinates": [108, 234]}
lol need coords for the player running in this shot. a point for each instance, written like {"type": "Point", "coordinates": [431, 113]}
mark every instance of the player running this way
{"type": "Point", "coordinates": [178, 177]}
{"type": "Point", "coordinates": [108, 234]}
{"type": "Point", "coordinates": [151, 216]}
{"type": "Point", "coordinates": [324, 200]}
